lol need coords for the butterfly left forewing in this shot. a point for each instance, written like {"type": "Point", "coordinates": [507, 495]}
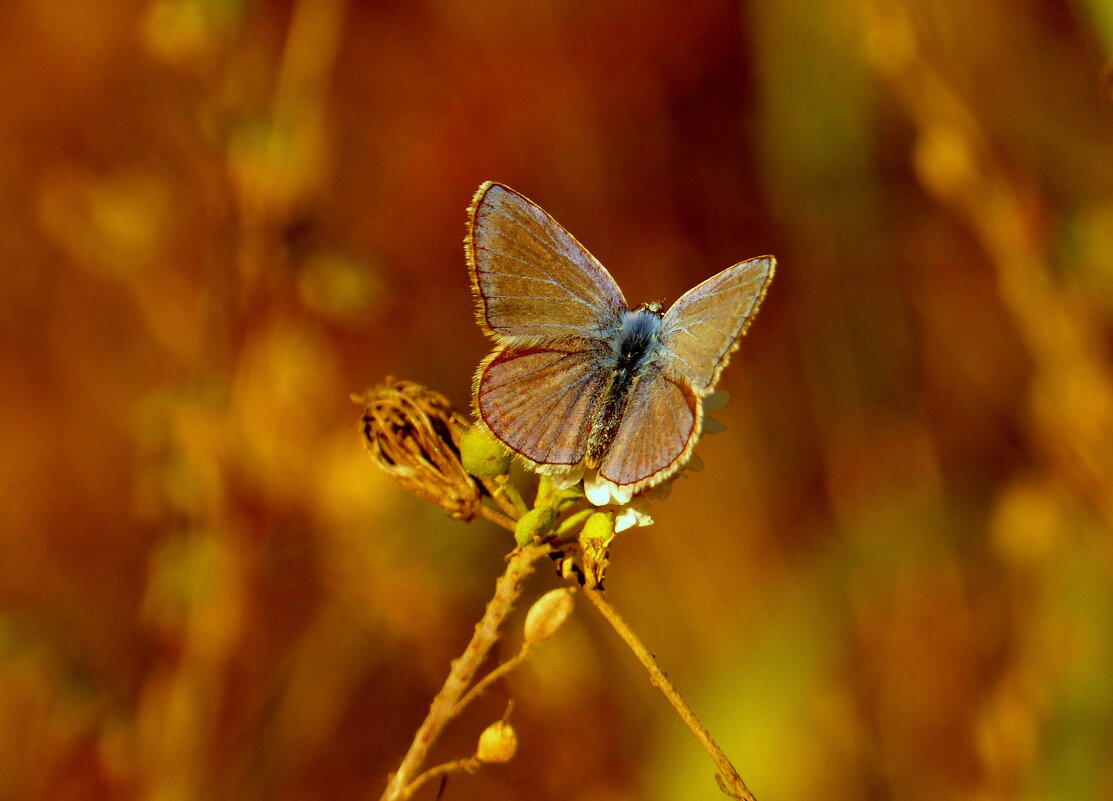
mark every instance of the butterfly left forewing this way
{"type": "Point", "coordinates": [532, 280]}
{"type": "Point", "coordinates": [703, 327]}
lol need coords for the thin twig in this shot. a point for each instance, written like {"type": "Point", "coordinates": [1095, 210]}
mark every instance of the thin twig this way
{"type": "Point", "coordinates": [518, 503]}
{"type": "Point", "coordinates": [729, 780]}
{"type": "Point", "coordinates": [506, 497]}
{"type": "Point", "coordinates": [573, 522]}
{"type": "Point", "coordinates": [495, 516]}
{"type": "Point", "coordinates": [467, 765]}
{"type": "Point", "coordinates": [496, 674]}
{"type": "Point", "coordinates": [443, 708]}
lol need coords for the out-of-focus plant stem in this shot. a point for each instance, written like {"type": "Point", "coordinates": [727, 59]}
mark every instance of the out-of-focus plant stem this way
{"type": "Point", "coordinates": [507, 590]}
{"type": "Point", "coordinates": [730, 782]}
{"type": "Point", "coordinates": [466, 765]}
{"type": "Point", "coordinates": [496, 674]}
{"type": "Point", "coordinates": [1072, 388]}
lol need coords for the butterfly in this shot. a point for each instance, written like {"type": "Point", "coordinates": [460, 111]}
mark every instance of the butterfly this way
{"type": "Point", "coordinates": [579, 380]}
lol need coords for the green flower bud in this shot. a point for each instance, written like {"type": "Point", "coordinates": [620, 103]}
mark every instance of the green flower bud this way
{"type": "Point", "coordinates": [483, 455]}
{"type": "Point", "coordinates": [533, 524]}
{"type": "Point", "coordinates": [594, 539]}
{"type": "Point", "coordinates": [599, 528]}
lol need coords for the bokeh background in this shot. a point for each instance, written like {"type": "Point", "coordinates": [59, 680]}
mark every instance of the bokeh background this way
{"type": "Point", "coordinates": [219, 218]}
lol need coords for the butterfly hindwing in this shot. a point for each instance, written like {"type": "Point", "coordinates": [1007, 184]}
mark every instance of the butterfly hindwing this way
{"type": "Point", "coordinates": [540, 400]}
{"type": "Point", "coordinates": [701, 329]}
{"type": "Point", "coordinates": [658, 429]}
{"type": "Point", "coordinates": [532, 281]}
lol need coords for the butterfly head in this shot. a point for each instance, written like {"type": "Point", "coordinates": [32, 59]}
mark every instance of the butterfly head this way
{"type": "Point", "coordinates": [638, 340]}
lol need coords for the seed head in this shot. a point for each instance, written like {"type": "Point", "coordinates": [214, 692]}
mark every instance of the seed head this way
{"type": "Point", "coordinates": [414, 435]}
{"type": "Point", "coordinates": [497, 743]}
{"type": "Point", "coordinates": [548, 614]}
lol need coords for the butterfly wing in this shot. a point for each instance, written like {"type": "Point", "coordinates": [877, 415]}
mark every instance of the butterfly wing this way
{"type": "Point", "coordinates": [658, 430]}
{"type": "Point", "coordinates": [702, 329]}
{"type": "Point", "coordinates": [662, 419]}
{"type": "Point", "coordinates": [532, 281]}
{"type": "Point", "coordinates": [540, 400]}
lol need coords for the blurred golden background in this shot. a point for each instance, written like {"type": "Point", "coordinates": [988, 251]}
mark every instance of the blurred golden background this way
{"type": "Point", "coordinates": [894, 579]}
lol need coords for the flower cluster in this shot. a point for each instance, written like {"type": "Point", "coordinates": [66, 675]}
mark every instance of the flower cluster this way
{"type": "Point", "coordinates": [633, 510]}
{"type": "Point", "coordinates": [416, 436]}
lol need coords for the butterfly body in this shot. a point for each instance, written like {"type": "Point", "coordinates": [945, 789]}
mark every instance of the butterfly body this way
{"type": "Point", "coordinates": [577, 377]}
{"type": "Point", "coordinates": [634, 351]}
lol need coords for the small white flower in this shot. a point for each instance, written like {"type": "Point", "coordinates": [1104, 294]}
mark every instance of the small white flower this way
{"type": "Point", "coordinates": [563, 476]}
{"type": "Point", "coordinates": [602, 492]}
{"type": "Point", "coordinates": [634, 514]}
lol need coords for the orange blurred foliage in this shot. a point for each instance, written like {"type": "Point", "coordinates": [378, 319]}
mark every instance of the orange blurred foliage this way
{"type": "Point", "coordinates": [219, 219]}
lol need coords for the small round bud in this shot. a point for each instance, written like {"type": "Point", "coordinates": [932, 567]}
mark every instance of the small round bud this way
{"type": "Point", "coordinates": [497, 743]}
{"type": "Point", "coordinates": [533, 524]}
{"type": "Point", "coordinates": [548, 614]}
{"type": "Point", "coordinates": [594, 539]}
{"type": "Point", "coordinates": [600, 526]}
{"type": "Point", "coordinates": [483, 455]}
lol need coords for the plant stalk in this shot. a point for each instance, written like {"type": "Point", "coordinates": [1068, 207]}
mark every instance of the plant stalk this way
{"type": "Point", "coordinates": [728, 779]}
{"type": "Point", "coordinates": [461, 675]}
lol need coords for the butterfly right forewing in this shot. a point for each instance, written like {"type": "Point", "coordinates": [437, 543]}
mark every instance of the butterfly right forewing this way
{"type": "Point", "coordinates": [701, 329]}
{"type": "Point", "coordinates": [531, 279]}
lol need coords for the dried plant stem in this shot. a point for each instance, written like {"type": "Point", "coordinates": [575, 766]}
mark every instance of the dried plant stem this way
{"type": "Point", "coordinates": [729, 780]}
{"type": "Point", "coordinates": [496, 516]}
{"type": "Point", "coordinates": [492, 677]}
{"type": "Point", "coordinates": [467, 765]}
{"type": "Point", "coordinates": [507, 589]}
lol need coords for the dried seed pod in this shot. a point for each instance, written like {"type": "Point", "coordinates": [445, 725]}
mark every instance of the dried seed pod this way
{"type": "Point", "coordinates": [497, 743]}
{"type": "Point", "coordinates": [414, 435]}
{"type": "Point", "coordinates": [548, 614]}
